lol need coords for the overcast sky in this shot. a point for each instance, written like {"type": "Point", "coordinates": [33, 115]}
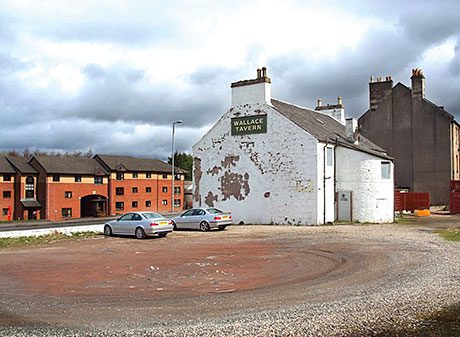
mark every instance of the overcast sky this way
{"type": "Point", "coordinates": [112, 76]}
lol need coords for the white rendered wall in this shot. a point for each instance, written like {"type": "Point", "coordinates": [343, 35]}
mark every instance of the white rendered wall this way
{"type": "Point", "coordinates": [280, 167]}
{"type": "Point", "coordinates": [252, 94]}
{"type": "Point", "coordinates": [373, 197]}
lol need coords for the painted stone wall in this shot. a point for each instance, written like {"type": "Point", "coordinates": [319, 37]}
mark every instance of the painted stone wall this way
{"type": "Point", "coordinates": [268, 178]}
{"type": "Point", "coordinates": [373, 197]}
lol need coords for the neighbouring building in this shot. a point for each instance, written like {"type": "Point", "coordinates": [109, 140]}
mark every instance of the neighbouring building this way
{"type": "Point", "coordinates": [268, 161]}
{"type": "Point", "coordinates": [422, 137]}
{"type": "Point", "coordinates": [141, 183]}
{"type": "Point", "coordinates": [7, 173]}
{"type": "Point", "coordinates": [70, 187]}
{"type": "Point", "coordinates": [57, 188]}
{"type": "Point", "coordinates": [25, 189]}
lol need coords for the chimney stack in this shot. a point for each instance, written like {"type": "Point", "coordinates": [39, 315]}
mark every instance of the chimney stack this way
{"type": "Point", "coordinates": [254, 91]}
{"type": "Point", "coordinates": [336, 111]}
{"type": "Point", "coordinates": [418, 84]}
{"type": "Point", "coordinates": [351, 128]}
{"type": "Point", "coordinates": [379, 89]}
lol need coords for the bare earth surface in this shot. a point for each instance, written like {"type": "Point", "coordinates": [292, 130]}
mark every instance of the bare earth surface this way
{"type": "Point", "coordinates": [244, 281]}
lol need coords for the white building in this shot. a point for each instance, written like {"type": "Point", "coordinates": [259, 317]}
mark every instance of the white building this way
{"type": "Point", "coordinates": [269, 161]}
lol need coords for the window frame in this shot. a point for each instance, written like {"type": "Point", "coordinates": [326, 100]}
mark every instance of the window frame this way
{"type": "Point", "coordinates": [385, 173]}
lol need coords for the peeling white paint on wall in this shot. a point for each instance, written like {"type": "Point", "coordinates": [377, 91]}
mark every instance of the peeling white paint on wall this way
{"type": "Point", "coordinates": [281, 163]}
{"type": "Point", "coordinates": [287, 175]}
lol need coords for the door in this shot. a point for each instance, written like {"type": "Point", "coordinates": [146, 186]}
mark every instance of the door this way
{"type": "Point", "coordinates": [344, 202]}
{"type": "Point", "coordinates": [122, 226]}
{"type": "Point", "coordinates": [185, 220]}
{"type": "Point", "coordinates": [197, 216]}
{"type": "Point", "coordinates": [135, 221]}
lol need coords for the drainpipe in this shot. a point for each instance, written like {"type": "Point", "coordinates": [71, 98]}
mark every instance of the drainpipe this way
{"type": "Point", "coordinates": [335, 180]}
{"type": "Point", "coordinates": [324, 183]}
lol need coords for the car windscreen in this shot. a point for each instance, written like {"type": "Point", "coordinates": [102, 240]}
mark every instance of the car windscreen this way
{"type": "Point", "coordinates": [152, 215]}
{"type": "Point", "coordinates": [214, 210]}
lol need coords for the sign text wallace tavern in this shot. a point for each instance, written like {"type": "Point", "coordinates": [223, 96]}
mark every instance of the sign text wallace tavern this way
{"type": "Point", "coordinates": [249, 125]}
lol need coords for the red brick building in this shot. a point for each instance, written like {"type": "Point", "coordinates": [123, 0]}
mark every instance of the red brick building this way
{"type": "Point", "coordinates": [141, 184]}
{"type": "Point", "coordinates": [7, 173]}
{"type": "Point", "coordinates": [25, 189]}
{"type": "Point", "coordinates": [70, 187]}
{"type": "Point", "coordinates": [57, 188]}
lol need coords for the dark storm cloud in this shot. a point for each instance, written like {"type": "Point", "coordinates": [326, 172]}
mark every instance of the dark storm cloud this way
{"type": "Point", "coordinates": [122, 93]}
{"type": "Point", "coordinates": [392, 51]}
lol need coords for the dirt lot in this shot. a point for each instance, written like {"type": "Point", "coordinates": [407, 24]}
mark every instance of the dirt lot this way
{"type": "Point", "coordinates": [120, 283]}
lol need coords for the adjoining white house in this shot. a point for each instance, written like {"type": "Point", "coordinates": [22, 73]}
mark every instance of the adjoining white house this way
{"type": "Point", "coordinates": [269, 161]}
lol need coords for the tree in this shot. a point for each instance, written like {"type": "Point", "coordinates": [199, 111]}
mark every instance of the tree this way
{"type": "Point", "coordinates": [184, 161]}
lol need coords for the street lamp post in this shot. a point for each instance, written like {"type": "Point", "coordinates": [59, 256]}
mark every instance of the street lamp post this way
{"type": "Point", "coordinates": [172, 162]}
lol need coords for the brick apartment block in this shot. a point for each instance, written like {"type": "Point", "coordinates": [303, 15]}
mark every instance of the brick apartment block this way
{"type": "Point", "coordinates": [58, 188]}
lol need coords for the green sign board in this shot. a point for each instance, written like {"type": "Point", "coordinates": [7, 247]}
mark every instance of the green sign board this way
{"type": "Point", "coordinates": [249, 125]}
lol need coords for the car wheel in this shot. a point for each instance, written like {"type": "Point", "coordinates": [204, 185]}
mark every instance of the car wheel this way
{"type": "Point", "coordinates": [107, 230]}
{"type": "Point", "coordinates": [174, 225]}
{"type": "Point", "coordinates": [140, 234]}
{"type": "Point", "coordinates": [221, 227]}
{"type": "Point", "coordinates": [204, 226]}
{"type": "Point", "coordinates": [162, 235]}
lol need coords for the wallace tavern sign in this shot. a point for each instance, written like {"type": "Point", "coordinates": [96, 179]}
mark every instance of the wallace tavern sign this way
{"type": "Point", "coordinates": [249, 125]}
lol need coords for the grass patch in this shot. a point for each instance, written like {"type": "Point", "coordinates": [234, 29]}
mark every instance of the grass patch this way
{"type": "Point", "coordinates": [451, 234]}
{"type": "Point", "coordinates": [405, 219]}
{"type": "Point", "coordinates": [43, 239]}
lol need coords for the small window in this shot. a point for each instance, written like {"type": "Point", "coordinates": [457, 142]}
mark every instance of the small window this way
{"type": "Point", "coordinates": [176, 190]}
{"type": "Point", "coordinates": [148, 190]}
{"type": "Point", "coordinates": [164, 189]}
{"type": "Point", "coordinates": [177, 202]}
{"type": "Point", "coordinates": [329, 156]}
{"type": "Point", "coordinates": [120, 176]}
{"type": "Point", "coordinates": [78, 179]}
{"type": "Point", "coordinates": [135, 190]}
{"type": "Point", "coordinates": [135, 175]}
{"type": "Point", "coordinates": [56, 177]}
{"type": "Point", "coordinates": [119, 191]}
{"type": "Point", "coordinates": [177, 176]}
{"type": "Point", "coordinates": [7, 177]}
{"type": "Point", "coordinates": [67, 212]}
{"type": "Point", "coordinates": [4, 211]}
{"type": "Point", "coordinates": [98, 180]}
{"type": "Point", "coordinates": [68, 194]}
{"type": "Point", "coordinates": [134, 204]}
{"type": "Point", "coordinates": [148, 203]}
{"type": "Point", "coordinates": [148, 175]}
{"type": "Point", "coordinates": [164, 202]}
{"type": "Point", "coordinates": [119, 206]}
{"type": "Point", "coordinates": [165, 176]}
{"type": "Point", "coordinates": [30, 194]}
{"type": "Point", "coordinates": [386, 170]}
{"type": "Point", "coordinates": [6, 194]}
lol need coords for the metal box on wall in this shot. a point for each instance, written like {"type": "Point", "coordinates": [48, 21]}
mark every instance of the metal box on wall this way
{"type": "Point", "coordinates": [344, 203]}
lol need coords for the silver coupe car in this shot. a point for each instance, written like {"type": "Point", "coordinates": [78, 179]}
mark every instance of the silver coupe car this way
{"type": "Point", "coordinates": [202, 218]}
{"type": "Point", "coordinates": [140, 224]}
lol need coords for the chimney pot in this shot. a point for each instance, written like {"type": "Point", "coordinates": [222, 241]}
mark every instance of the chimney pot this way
{"type": "Point", "coordinates": [264, 71]}
{"type": "Point", "coordinates": [319, 102]}
{"type": "Point", "coordinates": [259, 73]}
{"type": "Point", "coordinates": [339, 100]}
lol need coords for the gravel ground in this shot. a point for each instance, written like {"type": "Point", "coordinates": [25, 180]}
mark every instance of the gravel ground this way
{"type": "Point", "coordinates": [418, 273]}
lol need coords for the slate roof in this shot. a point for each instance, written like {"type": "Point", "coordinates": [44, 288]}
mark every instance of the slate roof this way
{"type": "Point", "coordinates": [5, 166]}
{"type": "Point", "coordinates": [325, 128]}
{"type": "Point", "coordinates": [21, 164]}
{"type": "Point", "coordinates": [114, 162]}
{"type": "Point", "coordinates": [70, 165]}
